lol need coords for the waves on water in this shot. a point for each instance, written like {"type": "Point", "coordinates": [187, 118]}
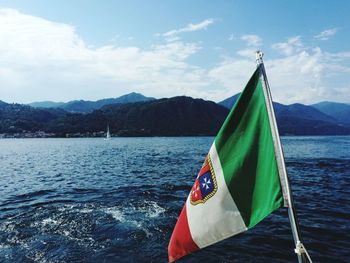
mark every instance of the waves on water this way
{"type": "Point", "coordinates": [90, 200]}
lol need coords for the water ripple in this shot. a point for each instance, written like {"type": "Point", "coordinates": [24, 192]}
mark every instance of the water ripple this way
{"type": "Point", "coordinates": [91, 200]}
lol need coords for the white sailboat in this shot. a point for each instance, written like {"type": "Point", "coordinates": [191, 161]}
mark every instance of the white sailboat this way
{"type": "Point", "coordinates": [108, 135]}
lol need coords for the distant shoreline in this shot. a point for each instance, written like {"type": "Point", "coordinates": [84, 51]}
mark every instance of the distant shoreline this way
{"type": "Point", "coordinates": [9, 136]}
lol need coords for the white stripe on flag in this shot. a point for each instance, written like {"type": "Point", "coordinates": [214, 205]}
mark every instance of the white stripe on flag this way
{"type": "Point", "coordinates": [217, 218]}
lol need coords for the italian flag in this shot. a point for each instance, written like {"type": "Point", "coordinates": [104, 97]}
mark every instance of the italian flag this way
{"type": "Point", "coordinates": [239, 183]}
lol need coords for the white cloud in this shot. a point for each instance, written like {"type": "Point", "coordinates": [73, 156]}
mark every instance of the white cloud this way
{"type": "Point", "coordinates": [190, 28]}
{"type": "Point", "coordinates": [248, 53]}
{"type": "Point", "coordinates": [304, 76]}
{"type": "Point", "coordinates": [172, 39]}
{"type": "Point", "coordinates": [252, 40]}
{"type": "Point", "coordinates": [43, 60]}
{"type": "Point", "coordinates": [231, 37]}
{"type": "Point", "coordinates": [326, 34]}
{"type": "Point", "coordinates": [232, 74]}
{"type": "Point", "coordinates": [292, 45]}
{"type": "Point", "coordinates": [297, 77]}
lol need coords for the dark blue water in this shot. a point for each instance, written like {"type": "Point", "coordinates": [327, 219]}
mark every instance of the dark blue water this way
{"type": "Point", "coordinates": [91, 200]}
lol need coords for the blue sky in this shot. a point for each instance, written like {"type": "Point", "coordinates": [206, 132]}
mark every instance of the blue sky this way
{"type": "Point", "coordinates": [64, 50]}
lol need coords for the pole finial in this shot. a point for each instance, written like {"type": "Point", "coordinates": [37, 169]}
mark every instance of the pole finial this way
{"type": "Point", "coordinates": [259, 57]}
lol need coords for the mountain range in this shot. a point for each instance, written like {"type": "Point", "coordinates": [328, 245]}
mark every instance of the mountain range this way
{"type": "Point", "coordinates": [324, 118]}
{"type": "Point", "coordinates": [86, 106]}
{"type": "Point", "coordinates": [339, 111]}
{"type": "Point", "coordinates": [136, 115]}
{"type": "Point", "coordinates": [178, 116]}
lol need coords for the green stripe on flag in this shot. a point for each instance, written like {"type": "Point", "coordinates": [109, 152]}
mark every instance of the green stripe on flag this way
{"type": "Point", "coordinates": [246, 152]}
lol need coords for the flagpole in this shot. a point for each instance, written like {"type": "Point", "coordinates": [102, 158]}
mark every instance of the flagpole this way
{"type": "Point", "coordinates": [303, 255]}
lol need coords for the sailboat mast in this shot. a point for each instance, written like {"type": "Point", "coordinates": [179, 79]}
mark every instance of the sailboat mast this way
{"type": "Point", "coordinates": [108, 133]}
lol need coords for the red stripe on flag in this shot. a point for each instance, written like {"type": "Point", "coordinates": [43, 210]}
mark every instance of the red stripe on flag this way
{"type": "Point", "coordinates": [181, 242]}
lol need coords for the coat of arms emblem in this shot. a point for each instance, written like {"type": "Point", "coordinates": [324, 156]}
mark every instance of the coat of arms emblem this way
{"type": "Point", "coordinates": [205, 185]}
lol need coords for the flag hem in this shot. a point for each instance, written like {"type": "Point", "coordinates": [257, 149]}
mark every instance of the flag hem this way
{"type": "Point", "coordinates": [279, 161]}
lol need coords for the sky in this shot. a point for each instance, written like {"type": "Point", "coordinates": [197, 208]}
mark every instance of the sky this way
{"type": "Point", "coordinates": [65, 50]}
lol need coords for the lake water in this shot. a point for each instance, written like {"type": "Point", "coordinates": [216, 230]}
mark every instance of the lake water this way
{"type": "Point", "coordinates": [95, 200]}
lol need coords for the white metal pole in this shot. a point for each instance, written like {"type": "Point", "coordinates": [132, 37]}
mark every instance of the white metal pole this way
{"type": "Point", "coordinates": [300, 250]}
